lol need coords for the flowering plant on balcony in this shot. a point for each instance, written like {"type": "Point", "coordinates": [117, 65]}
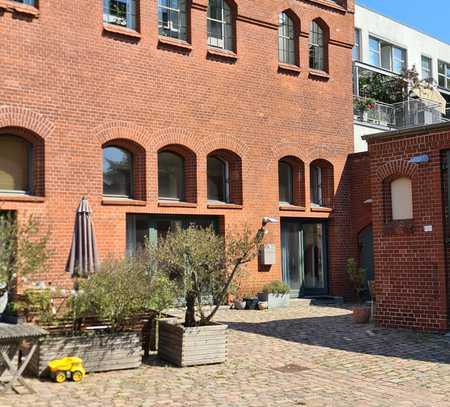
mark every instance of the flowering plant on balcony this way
{"type": "Point", "coordinates": [361, 105]}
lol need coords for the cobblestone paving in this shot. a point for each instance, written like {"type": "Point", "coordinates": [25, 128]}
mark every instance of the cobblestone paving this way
{"type": "Point", "coordinates": [301, 356]}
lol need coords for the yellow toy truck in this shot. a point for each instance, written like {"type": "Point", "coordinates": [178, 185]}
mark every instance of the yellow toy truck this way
{"type": "Point", "coordinates": [66, 368]}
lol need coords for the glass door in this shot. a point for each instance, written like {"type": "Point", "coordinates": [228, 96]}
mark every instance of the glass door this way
{"type": "Point", "coordinates": [304, 257]}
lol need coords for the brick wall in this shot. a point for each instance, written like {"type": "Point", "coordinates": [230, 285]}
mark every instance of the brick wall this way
{"type": "Point", "coordinates": [411, 268]}
{"type": "Point", "coordinates": [76, 87]}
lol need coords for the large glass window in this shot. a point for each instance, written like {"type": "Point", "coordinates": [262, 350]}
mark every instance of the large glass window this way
{"type": "Point", "coordinates": [15, 164]}
{"type": "Point", "coordinates": [172, 16]}
{"type": "Point", "coordinates": [427, 68]}
{"type": "Point", "coordinates": [357, 46]}
{"type": "Point", "coordinates": [120, 12]}
{"type": "Point", "coordinates": [387, 56]}
{"type": "Point", "coordinates": [316, 185]}
{"type": "Point", "coordinates": [444, 74]}
{"type": "Point", "coordinates": [170, 176]}
{"type": "Point", "coordinates": [220, 25]}
{"type": "Point", "coordinates": [316, 47]}
{"type": "Point", "coordinates": [218, 180]}
{"type": "Point", "coordinates": [117, 172]}
{"type": "Point", "coordinates": [287, 49]}
{"type": "Point", "coordinates": [285, 182]}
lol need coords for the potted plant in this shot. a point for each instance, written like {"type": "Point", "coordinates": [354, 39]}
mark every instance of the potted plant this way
{"type": "Point", "coordinates": [251, 301]}
{"type": "Point", "coordinates": [23, 252]}
{"type": "Point", "coordinates": [357, 277]}
{"type": "Point", "coordinates": [104, 318]}
{"type": "Point", "coordinates": [202, 264]}
{"type": "Point", "coordinates": [362, 105]}
{"type": "Point", "coordinates": [276, 294]}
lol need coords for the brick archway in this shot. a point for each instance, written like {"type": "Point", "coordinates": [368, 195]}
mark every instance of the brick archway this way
{"type": "Point", "coordinates": [396, 168]}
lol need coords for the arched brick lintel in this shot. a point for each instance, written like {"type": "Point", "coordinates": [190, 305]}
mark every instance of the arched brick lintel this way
{"type": "Point", "coordinates": [12, 116]}
{"type": "Point", "coordinates": [396, 168]}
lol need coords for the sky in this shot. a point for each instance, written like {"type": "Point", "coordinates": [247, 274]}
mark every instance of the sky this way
{"type": "Point", "coordinates": [429, 16]}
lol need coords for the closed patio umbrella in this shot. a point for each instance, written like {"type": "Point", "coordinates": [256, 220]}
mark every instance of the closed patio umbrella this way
{"type": "Point", "coordinates": [83, 257]}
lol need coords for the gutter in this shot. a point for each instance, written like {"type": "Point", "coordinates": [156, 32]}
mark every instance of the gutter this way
{"type": "Point", "coordinates": [419, 130]}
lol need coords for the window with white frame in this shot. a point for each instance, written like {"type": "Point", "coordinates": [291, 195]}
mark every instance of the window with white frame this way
{"type": "Point", "coordinates": [444, 74]}
{"type": "Point", "coordinates": [287, 50]}
{"type": "Point", "coordinates": [172, 19]}
{"type": "Point", "coordinates": [357, 46]}
{"type": "Point", "coordinates": [316, 47]}
{"type": "Point", "coordinates": [427, 68]}
{"type": "Point", "coordinates": [220, 25]}
{"type": "Point", "coordinates": [386, 55]}
{"type": "Point", "coordinates": [120, 12]}
{"type": "Point", "coordinates": [30, 2]}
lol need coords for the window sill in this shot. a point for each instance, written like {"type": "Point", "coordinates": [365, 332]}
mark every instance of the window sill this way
{"type": "Point", "coordinates": [223, 205]}
{"type": "Point", "coordinates": [12, 7]}
{"type": "Point", "coordinates": [176, 204]}
{"type": "Point", "coordinates": [174, 42]}
{"type": "Point", "coordinates": [321, 209]}
{"type": "Point", "coordinates": [314, 73]}
{"type": "Point", "coordinates": [4, 197]}
{"type": "Point", "coordinates": [122, 202]}
{"type": "Point", "coordinates": [117, 29]}
{"type": "Point", "coordinates": [292, 208]}
{"type": "Point", "coordinates": [289, 68]}
{"type": "Point", "coordinates": [222, 53]}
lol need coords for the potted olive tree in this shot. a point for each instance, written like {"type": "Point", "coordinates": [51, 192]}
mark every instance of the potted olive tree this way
{"type": "Point", "coordinates": [357, 277]}
{"type": "Point", "coordinates": [276, 294]}
{"type": "Point", "coordinates": [203, 264]}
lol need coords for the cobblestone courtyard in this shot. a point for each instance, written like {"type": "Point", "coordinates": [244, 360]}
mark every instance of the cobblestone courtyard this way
{"type": "Point", "coordinates": [301, 356]}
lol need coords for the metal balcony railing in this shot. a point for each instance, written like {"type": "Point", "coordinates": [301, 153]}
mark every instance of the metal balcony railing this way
{"type": "Point", "coordinates": [410, 113]}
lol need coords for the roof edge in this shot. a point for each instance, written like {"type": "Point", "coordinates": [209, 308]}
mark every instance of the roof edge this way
{"type": "Point", "coordinates": [429, 128]}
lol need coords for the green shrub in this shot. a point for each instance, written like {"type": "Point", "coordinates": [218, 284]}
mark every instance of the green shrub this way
{"type": "Point", "coordinates": [357, 277]}
{"type": "Point", "coordinates": [276, 287]}
{"type": "Point", "coordinates": [36, 303]}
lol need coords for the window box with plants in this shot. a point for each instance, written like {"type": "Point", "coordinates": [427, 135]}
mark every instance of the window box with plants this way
{"type": "Point", "coordinates": [202, 264]}
{"type": "Point", "coordinates": [106, 322]}
{"type": "Point", "coordinates": [276, 294]}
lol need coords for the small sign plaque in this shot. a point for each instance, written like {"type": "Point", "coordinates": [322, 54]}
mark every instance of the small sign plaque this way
{"type": "Point", "coordinates": [419, 159]}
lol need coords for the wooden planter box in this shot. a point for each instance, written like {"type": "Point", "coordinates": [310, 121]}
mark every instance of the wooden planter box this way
{"type": "Point", "coordinates": [275, 300]}
{"type": "Point", "coordinates": [99, 351]}
{"type": "Point", "coordinates": [201, 345]}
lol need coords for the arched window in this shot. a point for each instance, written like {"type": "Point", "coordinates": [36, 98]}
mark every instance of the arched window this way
{"type": "Point", "coordinates": [285, 182]}
{"type": "Point", "coordinates": [16, 162]}
{"type": "Point", "coordinates": [120, 12]}
{"type": "Point", "coordinates": [316, 185]}
{"type": "Point", "coordinates": [173, 19]}
{"type": "Point", "coordinates": [401, 199]}
{"type": "Point", "coordinates": [317, 47]}
{"type": "Point", "coordinates": [287, 37]}
{"type": "Point", "coordinates": [170, 176]}
{"type": "Point", "coordinates": [218, 180]}
{"type": "Point", "coordinates": [117, 172]}
{"type": "Point", "coordinates": [220, 25]}
{"type": "Point", "coordinates": [321, 183]}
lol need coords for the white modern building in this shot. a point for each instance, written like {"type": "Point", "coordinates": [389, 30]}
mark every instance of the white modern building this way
{"type": "Point", "coordinates": [384, 48]}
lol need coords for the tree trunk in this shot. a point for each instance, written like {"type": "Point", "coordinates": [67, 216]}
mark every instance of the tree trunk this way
{"type": "Point", "coordinates": [189, 319]}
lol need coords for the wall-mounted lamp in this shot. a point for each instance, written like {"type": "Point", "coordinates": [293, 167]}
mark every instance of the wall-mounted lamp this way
{"type": "Point", "coordinates": [268, 220]}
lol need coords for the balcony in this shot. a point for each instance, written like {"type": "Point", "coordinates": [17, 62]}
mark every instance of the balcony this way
{"type": "Point", "coordinates": [410, 113]}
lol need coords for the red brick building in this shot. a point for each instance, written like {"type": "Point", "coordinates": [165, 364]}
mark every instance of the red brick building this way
{"type": "Point", "coordinates": [405, 178]}
{"type": "Point", "coordinates": [231, 94]}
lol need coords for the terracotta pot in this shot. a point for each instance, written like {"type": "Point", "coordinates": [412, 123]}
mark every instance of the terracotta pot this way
{"type": "Point", "coordinates": [263, 305]}
{"type": "Point", "coordinates": [361, 315]}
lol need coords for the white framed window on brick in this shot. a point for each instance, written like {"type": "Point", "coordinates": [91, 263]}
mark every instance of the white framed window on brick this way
{"type": "Point", "coordinates": [173, 19]}
{"type": "Point", "coordinates": [29, 2]}
{"type": "Point", "coordinates": [317, 51]}
{"type": "Point", "coordinates": [387, 56]}
{"type": "Point", "coordinates": [357, 46]}
{"type": "Point", "coordinates": [287, 40]}
{"type": "Point", "coordinates": [427, 68]}
{"type": "Point", "coordinates": [221, 25]}
{"type": "Point", "coordinates": [121, 13]}
{"type": "Point", "coordinates": [444, 74]}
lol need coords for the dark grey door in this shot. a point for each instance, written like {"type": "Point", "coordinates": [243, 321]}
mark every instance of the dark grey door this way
{"type": "Point", "coordinates": [365, 243]}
